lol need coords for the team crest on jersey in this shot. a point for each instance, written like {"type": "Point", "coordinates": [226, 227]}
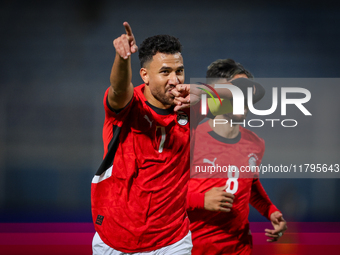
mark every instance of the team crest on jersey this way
{"type": "Point", "coordinates": [252, 161]}
{"type": "Point", "coordinates": [182, 118]}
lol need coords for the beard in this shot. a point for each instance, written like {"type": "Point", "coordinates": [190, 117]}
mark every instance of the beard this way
{"type": "Point", "coordinates": [238, 118]}
{"type": "Point", "coordinates": [163, 95]}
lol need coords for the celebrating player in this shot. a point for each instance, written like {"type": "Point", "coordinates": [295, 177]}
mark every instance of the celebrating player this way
{"type": "Point", "coordinates": [218, 208]}
{"type": "Point", "coordinates": [139, 191]}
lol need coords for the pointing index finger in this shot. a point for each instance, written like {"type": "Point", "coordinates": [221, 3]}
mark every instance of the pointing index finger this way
{"type": "Point", "coordinates": [128, 29]}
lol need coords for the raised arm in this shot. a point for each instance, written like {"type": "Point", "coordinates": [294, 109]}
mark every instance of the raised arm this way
{"type": "Point", "coordinates": [121, 89]}
{"type": "Point", "coordinates": [187, 95]}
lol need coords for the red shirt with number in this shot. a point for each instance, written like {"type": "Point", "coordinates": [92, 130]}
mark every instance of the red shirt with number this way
{"type": "Point", "coordinates": [220, 232]}
{"type": "Point", "coordinates": [139, 191]}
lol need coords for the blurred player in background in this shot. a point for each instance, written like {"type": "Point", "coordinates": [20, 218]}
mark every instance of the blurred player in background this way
{"type": "Point", "coordinates": [218, 208]}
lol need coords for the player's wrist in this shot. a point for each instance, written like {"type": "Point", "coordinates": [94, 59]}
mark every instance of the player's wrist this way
{"type": "Point", "coordinates": [196, 201]}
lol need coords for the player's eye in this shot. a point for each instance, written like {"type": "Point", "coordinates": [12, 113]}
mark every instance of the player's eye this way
{"type": "Point", "coordinates": [164, 71]}
{"type": "Point", "coordinates": [180, 71]}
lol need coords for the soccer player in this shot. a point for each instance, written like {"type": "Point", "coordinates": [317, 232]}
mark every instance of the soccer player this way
{"type": "Point", "coordinates": [139, 191]}
{"type": "Point", "coordinates": [218, 208]}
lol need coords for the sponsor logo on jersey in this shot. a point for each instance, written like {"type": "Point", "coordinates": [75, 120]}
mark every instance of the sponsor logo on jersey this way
{"type": "Point", "coordinates": [99, 220]}
{"type": "Point", "coordinates": [147, 118]}
{"type": "Point", "coordinates": [205, 160]}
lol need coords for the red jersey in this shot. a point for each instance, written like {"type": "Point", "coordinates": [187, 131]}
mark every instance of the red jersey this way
{"type": "Point", "coordinates": [220, 232]}
{"type": "Point", "coordinates": [139, 192]}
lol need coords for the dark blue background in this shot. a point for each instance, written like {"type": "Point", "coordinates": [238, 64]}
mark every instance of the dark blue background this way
{"type": "Point", "coordinates": [56, 58]}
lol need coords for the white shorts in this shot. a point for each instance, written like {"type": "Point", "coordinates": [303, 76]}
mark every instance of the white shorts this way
{"type": "Point", "coordinates": [182, 247]}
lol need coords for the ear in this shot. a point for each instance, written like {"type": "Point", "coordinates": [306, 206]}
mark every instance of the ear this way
{"type": "Point", "coordinates": [144, 75]}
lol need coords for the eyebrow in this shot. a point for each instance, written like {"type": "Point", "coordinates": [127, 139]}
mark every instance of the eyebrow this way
{"type": "Point", "coordinates": [169, 68]}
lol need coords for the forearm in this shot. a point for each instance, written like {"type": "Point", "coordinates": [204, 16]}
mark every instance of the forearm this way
{"type": "Point", "coordinates": [260, 200]}
{"type": "Point", "coordinates": [121, 74]}
{"type": "Point", "coordinates": [121, 89]}
{"type": "Point", "coordinates": [237, 88]}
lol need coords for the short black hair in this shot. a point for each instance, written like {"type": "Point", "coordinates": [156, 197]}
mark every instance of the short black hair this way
{"type": "Point", "coordinates": [158, 43]}
{"type": "Point", "coordinates": [226, 68]}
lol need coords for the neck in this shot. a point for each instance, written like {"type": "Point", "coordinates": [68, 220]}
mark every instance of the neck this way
{"type": "Point", "coordinates": [225, 130]}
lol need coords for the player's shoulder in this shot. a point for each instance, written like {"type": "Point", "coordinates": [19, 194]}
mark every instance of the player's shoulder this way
{"type": "Point", "coordinates": [250, 135]}
{"type": "Point", "coordinates": [135, 103]}
{"type": "Point", "coordinates": [138, 96]}
{"type": "Point", "coordinates": [138, 93]}
{"type": "Point", "coordinates": [139, 89]}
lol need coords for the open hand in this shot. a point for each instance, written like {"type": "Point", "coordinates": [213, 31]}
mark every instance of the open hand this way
{"type": "Point", "coordinates": [279, 224]}
{"type": "Point", "coordinates": [217, 199]}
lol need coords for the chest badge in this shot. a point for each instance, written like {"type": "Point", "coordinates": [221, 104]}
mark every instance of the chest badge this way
{"type": "Point", "coordinates": [252, 163]}
{"type": "Point", "coordinates": [182, 118]}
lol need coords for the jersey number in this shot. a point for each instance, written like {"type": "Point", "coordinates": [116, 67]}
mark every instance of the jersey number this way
{"type": "Point", "coordinates": [163, 135]}
{"type": "Point", "coordinates": [232, 182]}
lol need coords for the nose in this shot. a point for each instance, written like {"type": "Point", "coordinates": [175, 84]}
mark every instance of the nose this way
{"type": "Point", "coordinates": [173, 79]}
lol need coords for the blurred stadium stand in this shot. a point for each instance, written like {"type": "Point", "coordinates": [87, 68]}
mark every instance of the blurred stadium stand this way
{"type": "Point", "coordinates": [55, 62]}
